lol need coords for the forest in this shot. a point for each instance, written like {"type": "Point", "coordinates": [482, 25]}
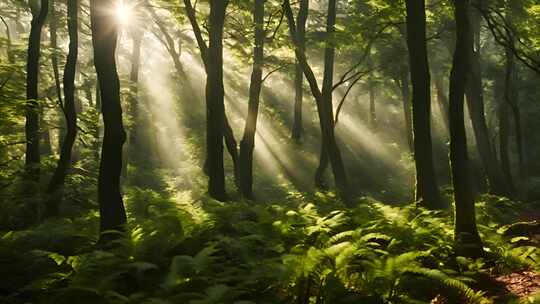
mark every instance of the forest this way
{"type": "Point", "coordinates": [269, 151]}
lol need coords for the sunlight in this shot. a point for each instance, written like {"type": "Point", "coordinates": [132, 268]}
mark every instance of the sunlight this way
{"type": "Point", "coordinates": [124, 14]}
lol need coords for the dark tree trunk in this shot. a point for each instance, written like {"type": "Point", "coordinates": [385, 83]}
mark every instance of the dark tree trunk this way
{"type": "Point", "coordinates": [104, 38]}
{"type": "Point", "coordinates": [324, 98]}
{"type": "Point", "coordinates": [215, 107]}
{"type": "Point", "coordinates": [53, 27]}
{"type": "Point", "coordinates": [56, 184]}
{"type": "Point", "coordinates": [504, 121]}
{"type": "Point", "coordinates": [248, 141]}
{"type": "Point", "coordinates": [511, 98]}
{"type": "Point", "coordinates": [133, 139]}
{"type": "Point", "coordinates": [467, 240]}
{"type": "Point", "coordinates": [403, 84]}
{"type": "Point", "coordinates": [228, 134]}
{"type": "Point", "coordinates": [32, 160]}
{"type": "Point", "coordinates": [427, 192]}
{"type": "Point", "coordinates": [475, 103]}
{"type": "Point", "coordinates": [298, 128]}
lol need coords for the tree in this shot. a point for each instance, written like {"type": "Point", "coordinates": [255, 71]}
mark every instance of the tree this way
{"type": "Point", "coordinates": [133, 140]}
{"type": "Point", "coordinates": [216, 127]}
{"type": "Point", "coordinates": [104, 38]}
{"type": "Point", "coordinates": [302, 16]}
{"type": "Point", "coordinates": [215, 100]}
{"type": "Point", "coordinates": [427, 192]}
{"type": "Point", "coordinates": [56, 184]}
{"type": "Point", "coordinates": [466, 237]}
{"type": "Point", "coordinates": [32, 161]}
{"type": "Point", "coordinates": [248, 141]}
{"type": "Point", "coordinates": [323, 99]}
{"type": "Point", "coordinates": [475, 103]}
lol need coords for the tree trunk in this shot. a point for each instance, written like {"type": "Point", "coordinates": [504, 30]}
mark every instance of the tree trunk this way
{"type": "Point", "coordinates": [298, 128]}
{"type": "Point", "coordinates": [372, 109]}
{"type": "Point", "coordinates": [442, 99]}
{"type": "Point", "coordinates": [511, 98]}
{"type": "Point", "coordinates": [104, 38]}
{"type": "Point", "coordinates": [215, 107]}
{"type": "Point", "coordinates": [504, 120]}
{"type": "Point", "coordinates": [475, 103]}
{"type": "Point", "coordinates": [427, 192]}
{"type": "Point", "coordinates": [402, 83]}
{"type": "Point", "coordinates": [97, 134]}
{"type": "Point", "coordinates": [324, 98]}
{"type": "Point", "coordinates": [134, 146]}
{"type": "Point", "coordinates": [56, 184]}
{"type": "Point", "coordinates": [228, 134]}
{"type": "Point", "coordinates": [466, 237]}
{"type": "Point", "coordinates": [46, 147]}
{"type": "Point", "coordinates": [53, 27]}
{"type": "Point", "coordinates": [32, 160]}
{"type": "Point", "coordinates": [248, 141]}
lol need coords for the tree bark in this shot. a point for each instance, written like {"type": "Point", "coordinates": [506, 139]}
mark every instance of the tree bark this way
{"type": "Point", "coordinates": [56, 184]}
{"type": "Point", "coordinates": [475, 103]}
{"type": "Point", "coordinates": [427, 192]}
{"type": "Point", "coordinates": [104, 38]}
{"type": "Point", "coordinates": [32, 157]}
{"type": "Point", "coordinates": [215, 107]}
{"type": "Point", "coordinates": [247, 143]}
{"type": "Point", "coordinates": [323, 99]}
{"type": "Point", "coordinates": [228, 134]}
{"type": "Point", "coordinates": [466, 237]}
{"type": "Point", "coordinates": [298, 129]}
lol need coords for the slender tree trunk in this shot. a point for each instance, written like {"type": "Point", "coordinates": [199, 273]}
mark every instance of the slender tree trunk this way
{"type": "Point", "coordinates": [504, 121]}
{"type": "Point", "coordinates": [402, 83]}
{"type": "Point", "coordinates": [475, 103]}
{"type": "Point", "coordinates": [46, 147]}
{"type": "Point", "coordinates": [427, 192]}
{"type": "Point", "coordinates": [248, 141]}
{"type": "Point", "coordinates": [215, 107]}
{"type": "Point", "coordinates": [53, 27]}
{"type": "Point", "coordinates": [442, 99]}
{"type": "Point", "coordinates": [467, 239]}
{"type": "Point", "coordinates": [372, 108]}
{"type": "Point", "coordinates": [56, 184]}
{"type": "Point", "coordinates": [228, 134]}
{"type": "Point", "coordinates": [298, 129]}
{"type": "Point", "coordinates": [32, 161]}
{"type": "Point", "coordinates": [133, 139]}
{"type": "Point", "coordinates": [97, 134]}
{"type": "Point", "coordinates": [104, 38]}
{"type": "Point", "coordinates": [323, 100]}
{"type": "Point", "coordinates": [511, 98]}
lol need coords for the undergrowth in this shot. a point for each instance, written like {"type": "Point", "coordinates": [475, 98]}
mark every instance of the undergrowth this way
{"type": "Point", "coordinates": [181, 249]}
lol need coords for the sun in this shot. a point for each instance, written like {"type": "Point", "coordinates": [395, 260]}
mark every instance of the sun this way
{"type": "Point", "coordinates": [124, 13]}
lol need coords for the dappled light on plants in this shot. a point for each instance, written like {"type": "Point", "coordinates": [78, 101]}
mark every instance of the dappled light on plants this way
{"type": "Point", "coordinates": [269, 151]}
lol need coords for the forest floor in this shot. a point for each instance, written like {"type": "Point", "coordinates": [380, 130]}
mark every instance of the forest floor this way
{"type": "Point", "coordinates": [181, 247]}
